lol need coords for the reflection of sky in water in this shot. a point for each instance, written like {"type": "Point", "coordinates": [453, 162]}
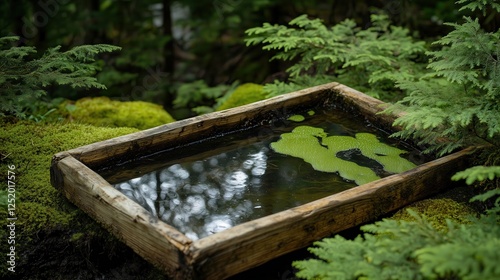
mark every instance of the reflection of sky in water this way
{"type": "Point", "coordinates": [206, 196]}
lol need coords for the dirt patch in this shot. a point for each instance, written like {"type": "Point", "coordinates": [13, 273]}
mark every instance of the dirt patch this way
{"type": "Point", "coordinates": [55, 255]}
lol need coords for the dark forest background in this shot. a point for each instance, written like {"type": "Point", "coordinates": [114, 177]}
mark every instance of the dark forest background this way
{"type": "Point", "coordinates": [166, 44]}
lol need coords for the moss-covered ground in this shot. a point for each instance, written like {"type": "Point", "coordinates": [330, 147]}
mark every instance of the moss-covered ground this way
{"type": "Point", "coordinates": [104, 112]}
{"type": "Point", "coordinates": [242, 95]}
{"type": "Point", "coordinates": [53, 238]}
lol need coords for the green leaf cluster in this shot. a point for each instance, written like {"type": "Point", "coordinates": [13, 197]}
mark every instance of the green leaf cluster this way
{"type": "Point", "coordinates": [24, 77]}
{"type": "Point", "coordinates": [196, 93]}
{"type": "Point", "coordinates": [370, 59]}
{"type": "Point", "coordinates": [392, 249]}
{"type": "Point", "coordinates": [477, 173]}
{"type": "Point", "coordinates": [458, 98]}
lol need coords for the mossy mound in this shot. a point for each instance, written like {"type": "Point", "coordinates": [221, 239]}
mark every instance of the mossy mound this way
{"type": "Point", "coordinates": [45, 219]}
{"type": "Point", "coordinates": [242, 95]}
{"type": "Point", "coordinates": [104, 112]}
{"type": "Point", "coordinates": [437, 211]}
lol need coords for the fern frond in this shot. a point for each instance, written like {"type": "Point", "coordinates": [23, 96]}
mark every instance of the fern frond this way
{"type": "Point", "coordinates": [481, 5]}
{"type": "Point", "coordinates": [344, 52]}
{"type": "Point", "coordinates": [23, 78]}
{"type": "Point", "coordinates": [495, 210]}
{"type": "Point", "coordinates": [477, 173]}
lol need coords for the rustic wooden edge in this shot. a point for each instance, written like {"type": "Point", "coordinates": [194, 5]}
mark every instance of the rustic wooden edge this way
{"type": "Point", "coordinates": [250, 244]}
{"type": "Point", "coordinates": [157, 242]}
{"type": "Point", "coordinates": [148, 141]}
{"type": "Point", "coordinates": [369, 107]}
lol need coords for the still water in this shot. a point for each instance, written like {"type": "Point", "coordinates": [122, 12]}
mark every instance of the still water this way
{"type": "Point", "coordinates": [219, 183]}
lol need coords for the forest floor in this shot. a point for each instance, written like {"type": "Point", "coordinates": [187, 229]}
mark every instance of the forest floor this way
{"type": "Point", "coordinates": [51, 257]}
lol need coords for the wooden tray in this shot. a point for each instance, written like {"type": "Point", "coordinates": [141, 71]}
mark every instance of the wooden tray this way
{"type": "Point", "coordinates": [250, 244]}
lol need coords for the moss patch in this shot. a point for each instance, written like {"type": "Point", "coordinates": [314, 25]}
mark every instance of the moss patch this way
{"type": "Point", "coordinates": [314, 146]}
{"type": "Point", "coordinates": [104, 112]}
{"type": "Point", "coordinates": [242, 95]}
{"type": "Point", "coordinates": [437, 211]}
{"type": "Point", "coordinates": [30, 147]}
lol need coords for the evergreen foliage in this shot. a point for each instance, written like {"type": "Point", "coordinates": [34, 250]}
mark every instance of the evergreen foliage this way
{"type": "Point", "coordinates": [392, 249]}
{"type": "Point", "coordinates": [477, 173]}
{"type": "Point", "coordinates": [370, 59]}
{"type": "Point", "coordinates": [458, 99]}
{"type": "Point", "coordinates": [197, 93]}
{"type": "Point", "coordinates": [24, 78]}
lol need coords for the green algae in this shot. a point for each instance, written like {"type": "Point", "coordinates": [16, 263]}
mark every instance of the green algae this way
{"type": "Point", "coordinates": [296, 118]}
{"type": "Point", "coordinates": [314, 146]}
{"type": "Point", "coordinates": [301, 118]}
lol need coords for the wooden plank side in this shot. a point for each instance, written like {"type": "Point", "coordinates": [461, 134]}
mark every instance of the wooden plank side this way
{"type": "Point", "coordinates": [250, 244]}
{"type": "Point", "coordinates": [157, 242]}
{"type": "Point", "coordinates": [196, 128]}
{"type": "Point", "coordinates": [366, 105]}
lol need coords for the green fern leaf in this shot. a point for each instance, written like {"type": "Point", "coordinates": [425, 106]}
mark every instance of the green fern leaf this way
{"type": "Point", "coordinates": [477, 173]}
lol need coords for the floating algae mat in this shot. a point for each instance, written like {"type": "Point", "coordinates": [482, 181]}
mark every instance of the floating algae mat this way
{"type": "Point", "coordinates": [215, 184]}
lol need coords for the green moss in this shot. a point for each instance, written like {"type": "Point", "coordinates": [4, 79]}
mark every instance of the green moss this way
{"type": "Point", "coordinates": [77, 236]}
{"type": "Point", "coordinates": [102, 111]}
{"type": "Point", "coordinates": [437, 211]}
{"type": "Point", "coordinates": [30, 147]}
{"type": "Point", "coordinates": [243, 94]}
{"type": "Point", "coordinates": [314, 146]}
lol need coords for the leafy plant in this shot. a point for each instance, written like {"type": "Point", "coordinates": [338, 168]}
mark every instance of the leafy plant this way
{"type": "Point", "coordinates": [370, 59]}
{"type": "Point", "coordinates": [458, 99]}
{"type": "Point", "coordinates": [392, 249]}
{"type": "Point", "coordinates": [477, 173]}
{"type": "Point", "coordinates": [194, 94]}
{"type": "Point", "coordinates": [24, 78]}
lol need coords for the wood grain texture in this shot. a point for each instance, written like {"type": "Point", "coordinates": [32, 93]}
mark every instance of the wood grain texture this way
{"type": "Point", "coordinates": [247, 245]}
{"type": "Point", "coordinates": [156, 241]}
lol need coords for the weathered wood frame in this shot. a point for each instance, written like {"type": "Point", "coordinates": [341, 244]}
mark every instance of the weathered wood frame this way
{"type": "Point", "coordinates": [252, 243]}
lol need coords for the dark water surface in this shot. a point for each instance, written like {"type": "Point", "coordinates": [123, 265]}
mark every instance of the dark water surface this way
{"type": "Point", "coordinates": [216, 184]}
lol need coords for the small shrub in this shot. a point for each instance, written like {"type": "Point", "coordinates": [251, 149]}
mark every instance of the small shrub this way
{"type": "Point", "coordinates": [24, 77]}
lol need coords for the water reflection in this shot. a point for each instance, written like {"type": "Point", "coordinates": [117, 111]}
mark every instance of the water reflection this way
{"type": "Point", "coordinates": [205, 196]}
{"type": "Point", "coordinates": [213, 186]}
